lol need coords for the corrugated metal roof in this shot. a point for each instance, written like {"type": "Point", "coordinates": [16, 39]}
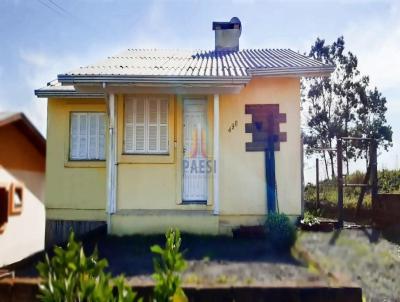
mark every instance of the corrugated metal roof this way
{"type": "Point", "coordinates": [201, 64]}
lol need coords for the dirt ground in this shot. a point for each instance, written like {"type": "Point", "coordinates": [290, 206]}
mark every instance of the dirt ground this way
{"type": "Point", "coordinates": [211, 260]}
{"type": "Point", "coordinates": [366, 256]}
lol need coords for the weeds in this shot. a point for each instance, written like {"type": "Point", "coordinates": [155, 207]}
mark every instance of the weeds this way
{"type": "Point", "coordinates": [168, 267]}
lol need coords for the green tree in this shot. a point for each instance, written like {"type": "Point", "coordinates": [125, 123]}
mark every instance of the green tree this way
{"type": "Point", "coordinates": [371, 122]}
{"type": "Point", "coordinates": [342, 105]}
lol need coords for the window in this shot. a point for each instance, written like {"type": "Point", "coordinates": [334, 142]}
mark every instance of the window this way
{"type": "Point", "coordinates": [146, 125]}
{"type": "Point", "coordinates": [87, 136]}
{"type": "Point", "coordinates": [4, 204]}
{"type": "Point", "coordinates": [16, 199]}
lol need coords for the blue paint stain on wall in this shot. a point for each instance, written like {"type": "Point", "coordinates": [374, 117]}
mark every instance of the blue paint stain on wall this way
{"type": "Point", "coordinates": [270, 175]}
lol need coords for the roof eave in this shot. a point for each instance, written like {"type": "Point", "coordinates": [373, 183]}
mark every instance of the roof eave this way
{"type": "Point", "coordinates": [324, 71]}
{"type": "Point", "coordinates": [51, 93]}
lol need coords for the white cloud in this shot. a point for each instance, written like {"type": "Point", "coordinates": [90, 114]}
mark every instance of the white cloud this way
{"type": "Point", "coordinates": [377, 45]}
{"type": "Point", "coordinates": [376, 42]}
{"type": "Point", "coordinates": [36, 69]}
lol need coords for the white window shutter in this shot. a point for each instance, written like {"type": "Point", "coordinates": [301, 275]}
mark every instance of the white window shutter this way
{"type": "Point", "coordinates": [83, 136]}
{"type": "Point", "coordinates": [93, 136]}
{"type": "Point", "coordinates": [129, 126]}
{"type": "Point", "coordinates": [102, 137]}
{"type": "Point", "coordinates": [74, 142]}
{"type": "Point", "coordinates": [146, 125]}
{"type": "Point", "coordinates": [140, 120]}
{"type": "Point", "coordinates": [153, 125]}
{"type": "Point", "coordinates": [87, 136]}
{"type": "Point", "coordinates": [163, 125]}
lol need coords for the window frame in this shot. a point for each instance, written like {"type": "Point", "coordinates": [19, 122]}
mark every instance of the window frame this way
{"type": "Point", "coordinates": [146, 123]}
{"type": "Point", "coordinates": [4, 205]}
{"type": "Point", "coordinates": [16, 188]}
{"type": "Point", "coordinates": [94, 160]}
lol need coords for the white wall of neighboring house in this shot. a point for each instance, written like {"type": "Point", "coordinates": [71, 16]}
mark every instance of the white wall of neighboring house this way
{"type": "Point", "coordinates": [24, 233]}
{"type": "Point", "coordinates": [33, 180]}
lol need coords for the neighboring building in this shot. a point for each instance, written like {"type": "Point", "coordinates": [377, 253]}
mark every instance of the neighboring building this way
{"type": "Point", "coordinates": [23, 151]}
{"type": "Point", "coordinates": [154, 138]}
{"type": "Point", "coordinates": [22, 182]}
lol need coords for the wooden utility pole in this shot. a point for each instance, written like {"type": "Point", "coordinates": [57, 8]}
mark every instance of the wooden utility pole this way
{"type": "Point", "coordinates": [339, 147]}
{"type": "Point", "coordinates": [317, 180]}
{"type": "Point", "coordinates": [363, 190]}
{"type": "Point", "coordinates": [374, 174]}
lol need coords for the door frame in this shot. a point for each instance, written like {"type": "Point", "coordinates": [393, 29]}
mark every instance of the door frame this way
{"type": "Point", "coordinates": [179, 148]}
{"type": "Point", "coordinates": [206, 112]}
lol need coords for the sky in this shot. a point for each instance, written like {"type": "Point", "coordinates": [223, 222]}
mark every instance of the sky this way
{"type": "Point", "coordinates": [42, 38]}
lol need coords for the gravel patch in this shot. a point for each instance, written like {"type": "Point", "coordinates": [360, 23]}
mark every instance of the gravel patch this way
{"type": "Point", "coordinates": [364, 256]}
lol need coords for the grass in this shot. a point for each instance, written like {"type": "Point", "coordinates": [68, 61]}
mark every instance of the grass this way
{"type": "Point", "coordinates": [328, 193]}
{"type": "Point", "coordinates": [388, 182]}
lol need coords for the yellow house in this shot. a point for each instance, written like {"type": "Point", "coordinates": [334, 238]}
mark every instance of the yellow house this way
{"type": "Point", "coordinates": [201, 140]}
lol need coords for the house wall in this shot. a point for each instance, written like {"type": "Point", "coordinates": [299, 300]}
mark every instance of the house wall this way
{"type": "Point", "coordinates": [23, 234]}
{"type": "Point", "coordinates": [147, 183]}
{"type": "Point", "coordinates": [155, 181]}
{"type": "Point", "coordinates": [22, 159]}
{"type": "Point", "coordinates": [75, 190]}
{"type": "Point", "coordinates": [242, 174]}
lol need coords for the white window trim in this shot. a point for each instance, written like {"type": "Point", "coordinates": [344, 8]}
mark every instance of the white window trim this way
{"type": "Point", "coordinates": [98, 157]}
{"type": "Point", "coordinates": [146, 124]}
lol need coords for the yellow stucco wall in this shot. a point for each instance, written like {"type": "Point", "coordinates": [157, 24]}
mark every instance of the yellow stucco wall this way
{"type": "Point", "coordinates": [242, 174]}
{"type": "Point", "coordinates": [78, 190]}
{"type": "Point", "coordinates": [74, 190]}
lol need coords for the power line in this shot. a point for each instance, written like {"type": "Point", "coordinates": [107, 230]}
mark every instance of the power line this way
{"type": "Point", "coordinates": [50, 7]}
{"type": "Point", "coordinates": [60, 8]}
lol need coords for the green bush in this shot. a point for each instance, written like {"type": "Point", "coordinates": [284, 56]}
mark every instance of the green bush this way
{"type": "Point", "coordinates": [281, 232]}
{"type": "Point", "coordinates": [310, 219]}
{"type": "Point", "coordinates": [71, 276]}
{"type": "Point", "coordinates": [389, 181]}
{"type": "Point", "coordinates": [168, 267]}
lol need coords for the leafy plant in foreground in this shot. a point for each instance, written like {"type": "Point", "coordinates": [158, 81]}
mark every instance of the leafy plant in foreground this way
{"type": "Point", "coordinates": [71, 276]}
{"type": "Point", "coordinates": [168, 267]}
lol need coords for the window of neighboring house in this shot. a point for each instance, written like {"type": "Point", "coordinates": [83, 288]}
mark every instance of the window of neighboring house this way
{"type": "Point", "coordinates": [16, 199]}
{"type": "Point", "coordinates": [87, 139]}
{"type": "Point", "coordinates": [4, 203]}
{"type": "Point", "coordinates": [146, 125]}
